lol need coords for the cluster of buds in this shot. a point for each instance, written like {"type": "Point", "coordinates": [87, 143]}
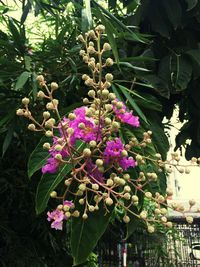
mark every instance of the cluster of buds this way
{"type": "Point", "coordinates": [100, 176]}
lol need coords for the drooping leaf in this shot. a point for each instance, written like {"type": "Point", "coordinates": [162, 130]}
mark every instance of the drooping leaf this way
{"type": "Point", "coordinates": [8, 138]}
{"type": "Point", "coordinates": [129, 65]}
{"type": "Point", "coordinates": [22, 79]}
{"type": "Point", "coordinates": [191, 4]}
{"type": "Point", "coordinates": [38, 157]}
{"type": "Point", "coordinates": [86, 233]}
{"type": "Point", "coordinates": [132, 103]}
{"type": "Point", "coordinates": [174, 12]}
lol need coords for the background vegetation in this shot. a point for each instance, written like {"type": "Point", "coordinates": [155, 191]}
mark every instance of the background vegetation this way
{"type": "Point", "coordinates": [156, 49]}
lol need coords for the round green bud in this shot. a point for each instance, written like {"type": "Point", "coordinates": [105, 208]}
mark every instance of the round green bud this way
{"type": "Point", "coordinates": [41, 94]}
{"type": "Point", "coordinates": [31, 127]}
{"type": "Point", "coordinates": [109, 77]}
{"type": "Point", "coordinates": [85, 216]}
{"type": "Point", "coordinates": [111, 96]}
{"type": "Point", "coordinates": [81, 201]}
{"type": "Point", "coordinates": [151, 229]}
{"type": "Point", "coordinates": [58, 156]}
{"type": "Point", "coordinates": [81, 125]}
{"type": "Point", "coordinates": [105, 92]}
{"type": "Point", "coordinates": [87, 152]}
{"type": "Point", "coordinates": [76, 214]}
{"type": "Point", "coordinates": [53, 194]}
{"type": "Point", "coordinates": [91, 93]}
{"type": "Point", "coordinates": [135, 198]}
{"type": "Point", "coordinates": [99, 162]}
{"type": "Point", "coordinates": [25, 101]}
{"type": "Point", "coordinates": [46, 115]}
{"type": "Point", "coordinates": [108, 107]}
{"type": "Point", "coordinates": [40, 78]}
{"type": "Point", "coordinates": [109, 182]}
{"type": "Point", "coordinates": [109, 62]}
{"type": "Point", "coordinates": [95, 187]}
{"type": "Point", "coordinates": [46, 146]}
{"type": "Point", "coordinates": [108, 121]}
{"type": "Point", "coordinates": [54, 86]}
{"type": "Point", "coordinates": [124, 153]}
{"type": "Point", "coordinates": [82, 187]}
{"type": "Point", "coordinates": [86, 101]}
{"type": "Point", "coordinates": [58, 147]}
{"type": "Point", "coordinates": [106, 47]}
{"type": "Point", "coordinates": [126, 219]}
{"type": "Point", "coordinates": [148, 195]}
{"type": "Point", "coordinates": [126, 176]}
{"type": "Point", "coordinates": [82, 53]}
{"type": "Point", "coordinates": [143, 214]}
{"type": "Point", "coordinates": [49, 133]}
{"type": "Point", "coordinates": [127, 196]}
{"type": "Point", "coordinates": [20, 112]}
{"type": "Point", "coordinates": [127, 189]}
{"type": "Point", "coordinates": [72, 116]}
{"type": "Point", "coordinates": [108, 201]}
{"type": "Point", "coordinates": [93, 144]}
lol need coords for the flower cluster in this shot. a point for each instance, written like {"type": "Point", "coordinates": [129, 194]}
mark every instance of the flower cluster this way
{"type": "Point", "coordinates": [89, 142]}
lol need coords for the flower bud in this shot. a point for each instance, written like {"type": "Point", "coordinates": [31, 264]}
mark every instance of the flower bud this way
{"type": "Point", "coordinates": [89, 82]}
{"type": "Point", "coordinates": [91, 208]}
{"type": "Point", "coordinates": [55, 102]}
{"type": "Point", "coordinates": [81, 201]}
{"type": "Point", "coordinates": [143, 214]}
{"type": "Point", "coordinates": [109, 62]}
{"type": "Point", "coordinates": [82, 52]}
{"type": "Point", "coordinates": [58, 147]}
{"type": "Point", "coordinates": [99, 162]}
{"type": "Point", "coordinates": [40, 78]}
{"type": "Point", "coordinates": [107, 85]}
{"type": "Point", "coordinates": [109, 182]}
{"type": "Point", "coordinates": [163, 219]}
{"type": "Point", "coordinates": [46, 146]}
{"type": "Point", "coordinates": [41, 94]}
{"type": "Point", "coordinates": [82, 187]}
{"type": "Point", "coordinates": [95, 187]}
{"type": "Point", "coordinates": [148, 195]}
{"type": "Point", "coordinates": [91, 93]}
{"type": "Point", "coordinates": [31, 127]}
{"type": "Point", "coordinates": [106, 47]}
{"type": "Point", "coordinates": [127, 196]}
{"type": "Point", "coordinates": [87, 152]}
{"type": "Point", "coordinates": [108, 201]}
{"type": "Point", "coordinates": [58, 157]}
{"type": "Point", "coordinates": [126, 219]}
{"type": "Point", "coordinates": [85, 216]}
{"type": "Point", "coordinates": [127, 189]}
{"type": "Point", "coordinates": [100, 28]}
{"type": "Point", "coordinates": [80, 38]}
{"type": "Point", "coordinates": [81, 125]}
{"type": "Point", "coordinates": [126, 176]}
{"type": "Point", "coordinates": [70, 131]}
{"type": "Point", "coordinates": [115, 125]}
{"type": "Point", "coordinates": [105, 92]}
{"type": "Point", "coordinates": [53, 194]}
{"type": "Point", "coordinates": [46, 115]}
{"type": "Point", "coordinates": [151, 229]}
{"type": "Point", "coordinates": [189, 219]}
{"type": "Point", "coordinates": [49, 106]}
{"type": "Point", "coordinates": [54, 86]}
{"type": "Point", "coordinates": [91, 34]}
{"type": "Point", "coordinates": [93, 144]}
{"type": "Point", "coordinates": [49, 133]}
{"type": "Point", "coordinates": [91, 65]}
{"type": "Point", "coordinates": [108, 121]}
{"type": "Point", "coordinates": [111, 96]}
{"type": "Point", "coordinates": [124, 153]}
{"type": "Point", "coordinates": [135, 198]}
{"type": "Point", "coordinates": [109, 77]}
{"type": "Point", "coordinates": [169, 224]}
{"type": "Point", "coordinates": [20, 112]}
{"type": "Point", "coordinates": [25, 101]}
{"type": "Point", "coordinates": [91, 49]}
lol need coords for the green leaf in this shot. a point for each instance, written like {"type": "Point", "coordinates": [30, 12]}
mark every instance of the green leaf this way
{"type": "Point", "coordinates": [88, 12]}
{"type": "Point", "coordinates": [8, 138]}
{"type": "Point", "coordinates": [173, 11]}
{"type": "Point", "coordinates": [181, 72]}
{"type": "Point", "coordinates": [50, 181]}
{"type": "Point", "coordinates": [86, 233]}
{"type": "Point", "coordinates": [47, 184]}
{"type": "Point", "coordinates": [191, 4]}
{"type": "Point", "coordinates": [22, 79]}
{"type": "Point", "coordinates": [129, 65]}
{"type": "Point", "coordinates": [38, 157]}
{"type": "Point", "coordinates": [124, 90]}
{"type": "Point", "coordinates": [194, 55]}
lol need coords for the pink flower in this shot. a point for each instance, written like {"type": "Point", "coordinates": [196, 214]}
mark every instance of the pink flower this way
{"type": "Point", "coordinates": [112, 154]}
{"type": "Point", "coordinates": [126, 116]}
{"type": "Point", "coordinates": [93, 172]}
{"type": "Point", "coordinates": [57, 217]}
{"type": "Point", "coordinates": [51, 166]}
{"type": "Point", "coordinates": [89, 132]}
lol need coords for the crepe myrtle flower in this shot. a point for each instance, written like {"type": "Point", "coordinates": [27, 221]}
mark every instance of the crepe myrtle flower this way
{"type": "Point", "coordinates": [113, 154]}
{"type": "Point", "coordinates": [93, 172]}
{"type": "Point", "coordinates": [126, 116]}
{"type": "Point", "coordinates": [56, 217]}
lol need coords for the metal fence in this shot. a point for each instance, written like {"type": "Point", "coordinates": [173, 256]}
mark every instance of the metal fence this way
{"type": "Point", "coordinates": [181, 249]}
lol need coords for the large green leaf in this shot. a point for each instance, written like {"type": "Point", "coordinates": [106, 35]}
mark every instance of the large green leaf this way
{"type": "Point", "coordinates": [174, 11]}
{"type": "Point", "coordinates": [47, 184]}
{"type": "Point", "coordinates": [38, 157]}
{"type": "Point", "coordinates": [191, 4]}
{"type": "Point", "coordinates": [86, 233]}
{"type": "Point", "coordinates": [22, 79]}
